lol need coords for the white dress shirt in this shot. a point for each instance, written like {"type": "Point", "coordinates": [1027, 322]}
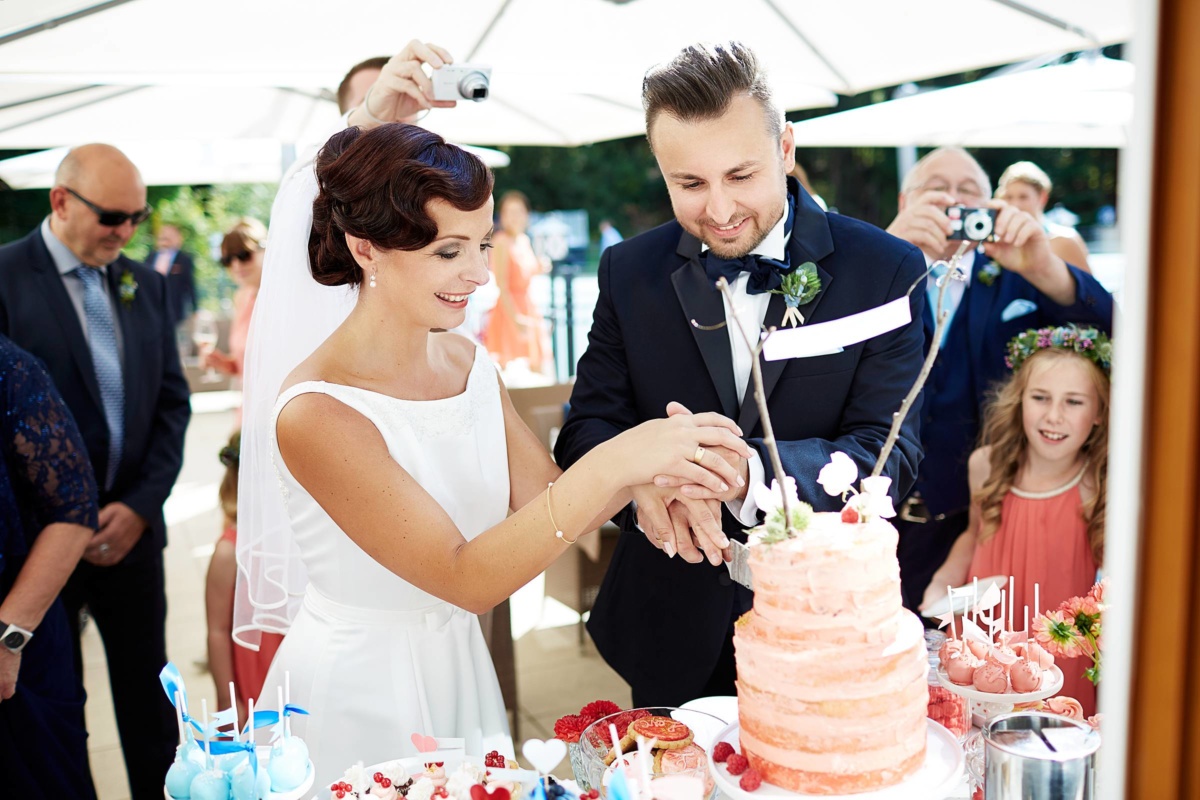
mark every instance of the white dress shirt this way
{"type": "Point", "coordinates": [954, 292]}
{"type": "Point", "coordinates": [751, 310]}
{"type": "Point", "coordinates": [65, 262]}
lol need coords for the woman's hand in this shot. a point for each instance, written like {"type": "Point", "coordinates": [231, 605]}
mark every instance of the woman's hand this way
{"type": "Point", "coordinates": [676, 446]}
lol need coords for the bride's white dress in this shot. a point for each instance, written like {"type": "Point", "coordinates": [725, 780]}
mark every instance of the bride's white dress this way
{"type": "Point", "coordinates": [373, 658]}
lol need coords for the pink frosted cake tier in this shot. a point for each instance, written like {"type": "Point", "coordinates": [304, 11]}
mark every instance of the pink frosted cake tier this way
{"type": "Point", "coordinates": [832, 690]}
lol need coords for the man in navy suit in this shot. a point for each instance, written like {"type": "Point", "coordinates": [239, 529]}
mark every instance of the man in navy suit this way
{"type": "Point", "coordinates": [174, 264]}
{"type": "Point", "coordinates": [1014, 284]}
{"type": "Point", "coordinates": [101, 324]}
{"type": "Point", "coordinates": [666, 623]}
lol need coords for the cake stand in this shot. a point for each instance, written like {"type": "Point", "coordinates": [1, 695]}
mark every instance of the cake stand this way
{"type": "Point", "coordinates": [986, 705]}
{"type": "Point", "coordinates": [939, 775]}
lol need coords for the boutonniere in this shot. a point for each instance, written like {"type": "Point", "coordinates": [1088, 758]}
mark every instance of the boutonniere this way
{"type": "Point", "coordinates": [799, 288]}
{"type": "Point", "coordinates": [988, 273]}
{"type": "Point", "coordinates": [128, 288]}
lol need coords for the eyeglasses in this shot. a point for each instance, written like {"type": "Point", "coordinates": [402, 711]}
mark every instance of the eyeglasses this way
{"type": "Point", "coordinates": [112, 219]}
{"type": "Point", "coordinates": [969, 189]}
{"type": "Point", "coordinates": [244, 255]}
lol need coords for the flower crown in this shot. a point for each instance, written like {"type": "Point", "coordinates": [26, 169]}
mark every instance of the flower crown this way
{"type": "Point", "coordinates": [1091, 343]}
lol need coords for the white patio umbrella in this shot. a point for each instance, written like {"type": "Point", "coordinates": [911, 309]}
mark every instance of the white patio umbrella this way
{"type": "Point", "coordinates": [566, 71]}
{"type": "Point", "coordinates": [1086, 103]}
{"type": "Point", "coordinates": [186, 163]}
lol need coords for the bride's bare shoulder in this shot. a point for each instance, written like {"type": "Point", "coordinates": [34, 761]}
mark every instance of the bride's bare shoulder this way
{"type": "Point", "coordinates": [458, 350]}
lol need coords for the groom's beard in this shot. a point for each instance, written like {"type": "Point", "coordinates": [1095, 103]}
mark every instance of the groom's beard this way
{"type": "Point", "coordinates": [747, 241]}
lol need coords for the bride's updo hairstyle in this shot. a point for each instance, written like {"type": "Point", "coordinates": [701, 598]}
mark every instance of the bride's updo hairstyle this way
{"type": "Point", "coordinates": [377, 184]}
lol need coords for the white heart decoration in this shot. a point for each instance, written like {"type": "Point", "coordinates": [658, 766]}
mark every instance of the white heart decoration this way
{"type": "Point", "coordinates": [544, 756]}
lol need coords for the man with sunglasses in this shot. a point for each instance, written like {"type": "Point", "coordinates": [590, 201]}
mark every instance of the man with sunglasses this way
{"type": "Point", "coordinates": [101, 323]}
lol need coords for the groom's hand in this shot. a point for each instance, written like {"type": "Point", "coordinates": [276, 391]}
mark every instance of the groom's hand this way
{"type": "Point", "coordinates": [693, 491]}
{"type": "Point", "coordinates": [680, 525]}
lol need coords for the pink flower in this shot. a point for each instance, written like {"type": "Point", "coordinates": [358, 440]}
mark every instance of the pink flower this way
{"type": "Point", "coordinates": [1065, 707]}
{"type": "Point", "coordinates": [1098, 591]}
{"type": "Point", "coordinates": [1095, 721]}
{"type": "Point", "coordinates": [1057, 634]}
{"type": "Point", "coordinates": [1081, 605]}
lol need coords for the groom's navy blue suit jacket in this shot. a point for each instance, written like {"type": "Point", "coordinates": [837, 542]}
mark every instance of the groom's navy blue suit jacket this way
{"type": "Point", "coordinates": [36, 313]}
{"type": "Point", "coordinates": [661, 623]}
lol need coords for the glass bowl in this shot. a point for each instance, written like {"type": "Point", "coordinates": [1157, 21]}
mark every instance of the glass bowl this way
{"type": "Point", "coordinates": [595, 744]}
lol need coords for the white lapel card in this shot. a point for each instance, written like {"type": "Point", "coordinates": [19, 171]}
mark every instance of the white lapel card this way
{"type": "Point", "coordinates": [834, 336]}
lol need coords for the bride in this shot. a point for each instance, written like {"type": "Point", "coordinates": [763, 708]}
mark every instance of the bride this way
{"type": "Point", "coordinates": [413, 494]}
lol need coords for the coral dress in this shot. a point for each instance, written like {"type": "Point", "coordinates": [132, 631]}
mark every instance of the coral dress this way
{"type": "Point", "coordinates": [519, 332]}
{"type": "Point", "coordinates": [1043, 539]}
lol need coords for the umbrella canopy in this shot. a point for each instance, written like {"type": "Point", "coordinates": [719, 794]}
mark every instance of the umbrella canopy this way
{"type": "Point", "coordinates": [1086, 103]}
{"type": "Point", "coordinates": [186, 163]}
{"type": "Point", "coordinates": [564, 72]}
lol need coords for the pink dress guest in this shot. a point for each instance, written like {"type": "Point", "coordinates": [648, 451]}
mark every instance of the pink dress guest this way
{"type": "Point", "coordinates": [1043, 539]}
{"type": "Point", "coordinates": [239, 326]}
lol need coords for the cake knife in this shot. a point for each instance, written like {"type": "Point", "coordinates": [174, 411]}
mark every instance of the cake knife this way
{"type": "Point", "coordinates": [739, 564]}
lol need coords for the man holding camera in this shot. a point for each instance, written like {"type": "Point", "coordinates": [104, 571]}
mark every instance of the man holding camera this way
{"type": "Point", "coordinates": [1014, 282]}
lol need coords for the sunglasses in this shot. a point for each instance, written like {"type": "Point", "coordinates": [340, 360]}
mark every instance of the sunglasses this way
{"type": "Point", "coordinates": [244, 255]}
{"type": "Point", "coordinates": [112, 219]}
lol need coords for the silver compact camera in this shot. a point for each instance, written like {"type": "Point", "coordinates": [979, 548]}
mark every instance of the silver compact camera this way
{"type": "Point", "coordinates": [462, 82]}
{"type": "Point", "coordinates": [972, 224]}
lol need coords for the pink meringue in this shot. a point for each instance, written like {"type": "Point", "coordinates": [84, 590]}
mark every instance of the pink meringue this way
{"type": "Point", "coordinates": [990, 678]}
{"type": "Point", "coordinates": [1026, 676]}
{"type": "Point", "coordinates": [960, 669]}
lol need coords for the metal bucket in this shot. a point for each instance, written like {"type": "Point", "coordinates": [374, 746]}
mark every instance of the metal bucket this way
{"type": "Point", "coordinates": [1033, 756]}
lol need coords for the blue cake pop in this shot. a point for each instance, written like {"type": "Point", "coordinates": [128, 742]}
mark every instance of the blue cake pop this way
{"type": "Point", "coordinates": [212, 784]}
{"type": "Point", "coordinates": [242, 782]}
{"type": "Point", "coordinates": [180, 777]}
{"type": "Point", "coordinates": [288, 765]}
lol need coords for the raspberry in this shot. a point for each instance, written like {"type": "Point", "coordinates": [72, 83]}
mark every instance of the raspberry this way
{"type": "Point", "coordinates": [737, 764]}
{"type": "Point", "coordinates": [750, 781]}
{"type": "Point", "coordinates": [722, 751]}
{"type": "Point", "coordinates": [849, 516]}
{"type": "Point", "coordinates": [494, 760]}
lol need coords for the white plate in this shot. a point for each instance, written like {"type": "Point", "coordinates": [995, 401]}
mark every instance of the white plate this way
{"type": "Point", "coordinates": [963, 596]}
{"type": "Point", "coordinates": [1049, 689]}
{"type": "Point", "coordinates": [937, 777]}
{"type": "Point", "coordinates": [723, 707]}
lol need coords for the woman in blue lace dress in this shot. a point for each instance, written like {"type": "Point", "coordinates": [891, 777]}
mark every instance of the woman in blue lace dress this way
{"type": "Point", "coordinates": [48, 509]}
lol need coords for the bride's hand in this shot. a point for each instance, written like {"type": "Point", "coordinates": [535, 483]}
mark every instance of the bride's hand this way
{"type": "Point", "coordinates": [670, 447]}
{"type": "Point", "coordinates": [402, 89]}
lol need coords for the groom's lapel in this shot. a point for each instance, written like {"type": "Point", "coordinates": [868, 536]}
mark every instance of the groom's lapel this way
{"type": "Point", "coordinates": [810, 241]}
{"type": "Point", "coordinates": [702, 306]}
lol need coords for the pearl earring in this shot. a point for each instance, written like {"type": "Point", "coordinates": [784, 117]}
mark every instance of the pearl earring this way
{"type": "Point", "coordinates": [373, 271]}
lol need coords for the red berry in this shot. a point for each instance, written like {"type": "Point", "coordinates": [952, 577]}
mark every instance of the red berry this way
{"type": "Point", "coordinates": [377, 777]}
{"type": "Point", "coordinates": [849, 516]}
{"type": "Point", "coordinates": [737, 764]}
{"type": "Point", "coordinates": [722, 751]}
{"type": "Point", "coordinates": [385, 783]}
{"type": "Point", "coordinates": [750, 781]}
{"type": "Point", "coordinates": [339, 794]}
{"type": "Point", "coordinates": [333, 787]}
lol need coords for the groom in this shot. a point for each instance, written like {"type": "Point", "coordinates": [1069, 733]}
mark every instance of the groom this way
{"type": "Point", "coordinates": [665, 623]}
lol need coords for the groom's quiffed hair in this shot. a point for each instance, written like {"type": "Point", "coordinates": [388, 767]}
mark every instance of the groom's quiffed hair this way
{"type": "Point", "coordinates": [701, 82]}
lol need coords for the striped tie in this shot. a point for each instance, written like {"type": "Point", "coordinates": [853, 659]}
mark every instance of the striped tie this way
{"type": "Point", "coordinates": [102, 339]}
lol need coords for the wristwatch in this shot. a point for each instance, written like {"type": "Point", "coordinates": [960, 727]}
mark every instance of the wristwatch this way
{"type": "Point", "coordinates": [14, 638]}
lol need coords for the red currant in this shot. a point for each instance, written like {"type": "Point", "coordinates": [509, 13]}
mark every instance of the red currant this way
{"type": "Point", "coordinates": [339, 794]}
{"type": "Point", "coordinates": [377, 777]}
{"type": "Point", "coordinates": [385, 782]}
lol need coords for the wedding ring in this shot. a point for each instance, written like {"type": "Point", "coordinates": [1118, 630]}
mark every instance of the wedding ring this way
{"type": "Point", "coordinates": [699, 456]}
{"type": "Point", "coordinates": [103, 548]}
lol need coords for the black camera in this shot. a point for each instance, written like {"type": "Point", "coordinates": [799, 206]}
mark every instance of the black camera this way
{"type": "Point", "coordinates": [972, 224]}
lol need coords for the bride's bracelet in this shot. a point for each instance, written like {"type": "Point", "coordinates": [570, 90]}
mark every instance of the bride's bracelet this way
{"type": "Point", "coordinates": [550, 512]}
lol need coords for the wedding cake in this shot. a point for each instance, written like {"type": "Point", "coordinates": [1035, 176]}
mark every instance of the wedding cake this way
{"type": "Point", "coordinates": [831, 684]}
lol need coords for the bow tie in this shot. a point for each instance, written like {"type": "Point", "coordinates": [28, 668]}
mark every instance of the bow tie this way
{"type": "Point", "coordinates": [766, 274]}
